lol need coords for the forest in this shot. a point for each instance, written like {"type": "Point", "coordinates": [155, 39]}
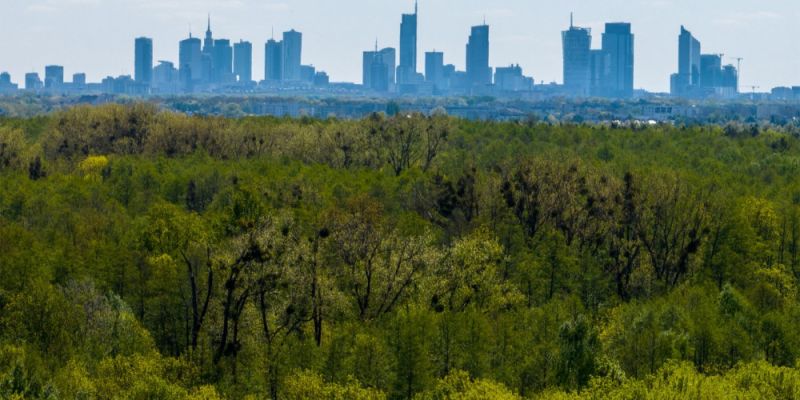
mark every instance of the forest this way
{"type": "Point", "coordinates": [148, 254]}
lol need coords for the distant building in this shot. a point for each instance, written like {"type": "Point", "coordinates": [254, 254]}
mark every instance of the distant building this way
{"type": "Point", "coordinates": [166, 78]}
{"type": "Point", "coordinates": [79, 79]}
{"type": "Point", "coordinates": [222, 62]}
{"type": "Point", "coordinates": [577, 45]}
{"type": "Point", "coordinates": [618, 43]}
{"type": "Point", "coordinates": [190, 62]}
{"type": "Point", "coordinates": [33, 82]}
{"type": "Point", "coordinates": [378, 69]}
{"type": "Point", "coordinates": [273, 60]}
{"type": "Point", "coordinates": [243, 61]}
{"type": "Point", "coordinates": [6, 86]}
{"type": "Point", "coordinates": [53, 77]}
{"type": "Point", "coordinates": [730, 79]}
{"type": "Point", "coordinates": [687, 80]}
{"type": "Point", "coordinates": [292, 55]}
{"type": "Point", "coordinates": [511, 79]}
{"type": "Point", "coordinates": [321, 79]}
{"type": "Point", "coordinates": [478, 70]}
{"type": "Point", "coordinates": [143, 63]}
{"type": "Point", "coordinates": [407, 69]}
{"type": "Point", "coordinates": [599, 72]}
{"type": "Point", "coordinates": [710, 71]}
{"type": "Point", "coordinates": [434, 68]}
{"type": "Point", "coordinates": [307, 73]}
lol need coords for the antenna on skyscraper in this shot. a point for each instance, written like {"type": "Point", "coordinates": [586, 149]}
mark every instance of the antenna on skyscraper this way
{"type": "Point", "coordinates": [570, 20]}
{"type": "Point", "coordinates": [416, 7]}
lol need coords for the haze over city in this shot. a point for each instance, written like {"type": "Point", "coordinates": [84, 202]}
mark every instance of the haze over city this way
{"type": "Point", "coordinates": [96, 36]}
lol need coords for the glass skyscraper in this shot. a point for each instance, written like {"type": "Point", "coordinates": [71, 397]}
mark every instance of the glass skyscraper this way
{"type": "Point", "coordinates": [143, 63]}
{"type": "Point", "coordinates": [478, 70]}
{"type": "Point", "coordinates": [688, 76]}
{"type": "Point", "coordinates": [407, 70]}
{"type": "Point", "coordinates": [190, 60]}
{"type": "Point", "coordinates": [273, 60]}
{"type": "Point", "coordinates": [222, 61]}
{"type": "Point", "coordinates": [243, 61]}
{"type": "Point", "coordinates": [577, 45]}
{"type": "Point", "coordinates": [53, 77]}
{"type": "Point", "coordinates": [292, 55]}
{"type": "Point", "coordinates": [618, 43]}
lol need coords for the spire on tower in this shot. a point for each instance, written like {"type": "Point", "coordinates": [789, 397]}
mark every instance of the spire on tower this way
{"type": "Point", "coordinates": [209, 23]}
{"type": "Point", "coordinates": [570, 20]}
{"type": "Point", "coordinates": [416, 7]}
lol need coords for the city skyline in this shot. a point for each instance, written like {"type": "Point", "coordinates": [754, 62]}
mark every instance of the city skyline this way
{"type": "Point", "coordinates": [449, 37]}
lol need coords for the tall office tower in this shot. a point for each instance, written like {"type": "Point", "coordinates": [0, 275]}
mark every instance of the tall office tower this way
{"type": "Point", "coordinates": [434, 67]}
{"type": "Point", "coordinates": [618, 43]}
{"type": "Point", "coordinates": [292, 55]}
{"type": "Point", "coordinates": [222, 60]}
{"type": "Point", "coordinates": [378, 69]}
{"type": "Point", "coordinates": [32, 81]}
{"type": "Point", "coordinates": [243, 61]}
{"type": "Point", "coordinates": [478, 70]}
{"type": "Point", "coordinates": [599, 71]}
{"type": "Point", "coordinates": [577, 44]}
{"type": "Point", "coordinates": [688, 77]}
{"type": "Point", "coordinates": [273, 60]}
{"type": "Point", "coordinates": [143, 64]}
{"type": "Point", "coordinates": [710, 70]}
{"type": "Point", "coordinates": [389, 57]}
{"type": "Point", "coordinates": [5, 78]}
{"type": "Point", "coordinates": [190, 61]}
{"type": "Point", "coordinates": [53, 77]}
{"type": "Point", "coordinates": [407, 70]}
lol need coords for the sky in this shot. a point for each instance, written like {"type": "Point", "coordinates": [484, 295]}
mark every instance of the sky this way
{"type": "Point", "coordinates": [97, 36]}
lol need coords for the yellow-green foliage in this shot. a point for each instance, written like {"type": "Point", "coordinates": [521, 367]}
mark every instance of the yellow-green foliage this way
{"type": "Point", "coordinates": [677, 380]}
{"type": "Point", "coordinates": [459, 386]}
{"type": "Point", "coordinates": [92, 166]}
{"type": "Point", "coordinates": [306, 385]}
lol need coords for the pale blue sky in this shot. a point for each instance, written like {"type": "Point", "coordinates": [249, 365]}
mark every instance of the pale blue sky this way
{"type": "Point", "coordinates": [96, 36]}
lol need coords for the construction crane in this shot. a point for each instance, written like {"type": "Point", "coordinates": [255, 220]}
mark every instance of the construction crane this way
{"type": "Point", "coordinates": [738, 71]}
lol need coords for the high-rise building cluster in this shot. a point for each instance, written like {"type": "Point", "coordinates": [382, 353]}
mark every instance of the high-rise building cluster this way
{"type": "Point", "coordinates": [701, 75]}
{"type": "Point", "coordinates": [604, 72]}
{"type": "Point", "coordinates": [381, 73]}
{"type": "Point", "coordinates": [216, 65]}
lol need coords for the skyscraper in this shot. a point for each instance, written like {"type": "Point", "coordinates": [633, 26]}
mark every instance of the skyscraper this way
{"type": "Point", "coordinates": [53, 77]}
{"type": "Point", "coordinates": [292, 55]}
{"type": "Point", "coordinates": [243, 61]}
{"type": "Point", "coordinates": [688, 76]}
{"type": "Point", "coordinates": [190, 60]}
{"type": "Point", "coordinates": [273, 60]}
{"type": "Point", "coordinates": [478, 70]}
{"type": "Point", "coordinates": [143, 64]}
{"type": "Point", "coordinates": [618, 43]}
{"type": "Point", "coordinates": [378, 69]}
{"type": "Point", "coordinates": [577, 45]}
{"type": "Point", "coordinates": [407, 70]}
{"type": "Point", "coordinates": [434, 67]}
{"type": "Point", "coordinates": [710, 70]}
{"type": "Point", "coordinates": [222, 61]}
